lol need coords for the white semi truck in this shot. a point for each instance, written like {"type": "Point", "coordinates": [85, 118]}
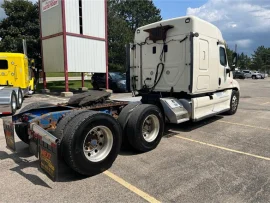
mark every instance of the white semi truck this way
{"type": "Point", "coordinates": [179, 67]}
{"type": "Point", "coordinates": [180, 70]}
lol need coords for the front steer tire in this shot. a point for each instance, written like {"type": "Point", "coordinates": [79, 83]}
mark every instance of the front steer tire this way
{"type": "Point", "coordinates": [146, 127]}
{"type": "Point", "coordinates": [21, 129]}
{"type": "Point", "coordinates": [19, 98]}
{"type": "Point", "coordinates": [91, 142]}
{"type": "Point", "coordinates": [234, 103]}
{"type": "Point", "coordinates": [13, 102]}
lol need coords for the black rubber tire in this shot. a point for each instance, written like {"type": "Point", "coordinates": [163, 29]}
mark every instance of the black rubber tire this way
{"type": "Point", "coordinates": [123, 120]}
{"type": "Point", "coordinates": [19, 102]}
{"type": "Point", "coordinates": [95, 86]}
{"type": "Point", "coordinates": [74, 135]}
{"type": "Point", "coordinates": [253, 77]}
{"type": "Point", "coordinates": [22, 130]}
{"type": "Point", "coordinates": [233, 110]}
{"type": "Point", "coordinates": [135, 123]}
{"type": "Point", "coordinates": [62, 125]}
{"type": "Point", "coordinates": [13, 97]}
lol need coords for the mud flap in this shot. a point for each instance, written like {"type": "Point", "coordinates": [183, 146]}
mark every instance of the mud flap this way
{"type": "Point", "coordinates": [48, 147]}
{"type": "Point", "coordinates": [9, 133]}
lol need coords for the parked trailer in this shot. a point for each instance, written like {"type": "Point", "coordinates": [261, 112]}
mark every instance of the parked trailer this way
{"type": "Point", "coordinates": [179, 67]}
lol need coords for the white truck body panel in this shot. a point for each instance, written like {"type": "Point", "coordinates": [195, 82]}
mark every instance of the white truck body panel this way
{"type": "Point", "coordinates": [207, 106]}
{"type": "Point", "coordinates": [195, 65]}
{"type": "Point", "coordinates": [192, 66]}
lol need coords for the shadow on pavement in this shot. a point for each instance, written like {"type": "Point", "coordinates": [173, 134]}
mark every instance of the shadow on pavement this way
{"type": "Point", "coordinates": [20, 159]}
{"type": "Point", "coordinates": [170, 132]}
{"type": "Point", "coordinates": [66, 174]}
{"type": "Point", "coordinates": [189, 126]}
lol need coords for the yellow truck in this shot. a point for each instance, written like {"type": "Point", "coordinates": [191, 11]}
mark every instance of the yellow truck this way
{"type": "Point", "coordinates": [16, 80]}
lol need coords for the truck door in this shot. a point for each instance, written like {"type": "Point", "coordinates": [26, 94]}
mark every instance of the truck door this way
{"type": "Point", "coordinates": [222, 67]}
{"type": "Point", "coordinates": [204, 77]}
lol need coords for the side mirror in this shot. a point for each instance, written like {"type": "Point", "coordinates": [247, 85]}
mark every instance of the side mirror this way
{"type": "Point", "coordinates": [32, 63]}
{"type": "Point", "coordinates": [228, 70]}
{"type": "Point", "coordinates": [234, 60]}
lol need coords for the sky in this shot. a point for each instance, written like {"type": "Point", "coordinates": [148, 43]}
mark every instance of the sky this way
{"type": "Point", "coordinates": [242, 22]}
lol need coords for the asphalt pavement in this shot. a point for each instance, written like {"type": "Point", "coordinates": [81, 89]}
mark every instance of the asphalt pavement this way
{"type": "Point", "coordinates": [220, 159]}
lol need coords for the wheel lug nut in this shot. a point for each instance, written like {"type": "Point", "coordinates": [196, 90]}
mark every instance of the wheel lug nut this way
{"type": "Point", "coordinates": [96, 150]}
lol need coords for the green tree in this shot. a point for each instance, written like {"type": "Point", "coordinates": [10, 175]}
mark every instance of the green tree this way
{"type": "Point", "coordinates": [138, 13]}
{"type": "Point", "coordinates": [261, 59]}
{"type": "Point", "coordinates": [119, 35]}
{"type": "Point", "coordinates": [124, 17]}
{"type": "Point", "coordinates": [244, 61]}
{"type": "Point", "coordinates": [22, 22]}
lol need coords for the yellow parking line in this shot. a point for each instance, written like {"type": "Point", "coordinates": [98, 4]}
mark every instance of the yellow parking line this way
{"type": "Point", "coordinates": [223, 148]}
{"type": "Point", "coordinates": [240, 124]}
{"type": "Point", "coordinates": [265, 103]}
{"type": "Point", "coordinates": [132, 188]}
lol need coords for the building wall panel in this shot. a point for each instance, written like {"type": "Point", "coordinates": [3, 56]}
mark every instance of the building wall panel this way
{"type": "Point", "coordinates": [51, 20]}
{"type": "Point", "coordinates": [53, 54]}
{"type": "Point", "coordinates": [93, 12]}
{"type": "Point", "coordinates": [85, 55]}
{"type": "Point", "coordinates": [72, 16]}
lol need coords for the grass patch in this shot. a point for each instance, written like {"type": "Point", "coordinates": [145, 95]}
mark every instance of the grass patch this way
{"type": "Point", "coordinates": [59, 86]}
{"type": "Point", "coordinates": [62, 74]}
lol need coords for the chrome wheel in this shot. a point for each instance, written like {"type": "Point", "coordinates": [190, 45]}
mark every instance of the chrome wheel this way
{"type": "Point", "coordinates": [20, 98]}
{"type": "Point", "coordinates": [98, 143]}
{"type": "Point", "coordinates": [13, 102]}
{"type": "Point", "coordinates": [150, 128]}
{"type": "Point", "coordinates": [234, 103]}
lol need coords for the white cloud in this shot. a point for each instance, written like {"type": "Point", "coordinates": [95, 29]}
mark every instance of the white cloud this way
{"type": "Point", "coordinates": [245, 22]}
{"type": "Point", "coordinates": [243, 43]}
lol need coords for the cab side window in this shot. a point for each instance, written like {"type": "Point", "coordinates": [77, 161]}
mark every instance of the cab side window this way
{"type": "Point", "coordinates": [222, 56]}
{"type": "Point", "coordinates": [3, 64]}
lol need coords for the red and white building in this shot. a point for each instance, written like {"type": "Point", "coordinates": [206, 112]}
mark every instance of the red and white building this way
{"type": "Point", "coordinates": [74, 36]}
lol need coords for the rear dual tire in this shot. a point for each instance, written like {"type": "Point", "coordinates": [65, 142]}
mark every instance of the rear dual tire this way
{"type": "Point", "coordinates": [19, 98]}
{"type": "Point", "coordinates": [91, 141]}
{"type": "Point", "coordinates": [145, 127]}
{"type": "Point", "coordinates": [21, 129]}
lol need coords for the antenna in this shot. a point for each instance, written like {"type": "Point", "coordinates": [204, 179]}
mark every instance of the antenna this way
{"type": "Point", "coordinates": [24, 47]}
